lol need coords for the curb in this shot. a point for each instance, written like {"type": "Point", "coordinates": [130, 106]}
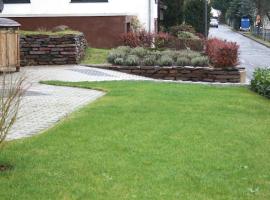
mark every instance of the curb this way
{"type": "Point", "coordinates": [255, 40]}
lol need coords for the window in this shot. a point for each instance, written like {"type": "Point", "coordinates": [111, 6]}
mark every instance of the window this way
{"type": "Point", "coordinates": [16, 1]}
{"type": "Point", "coordinates": [89, 1]}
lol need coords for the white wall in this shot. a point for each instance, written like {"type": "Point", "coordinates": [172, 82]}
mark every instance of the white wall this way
{"type": "Point", "coordinates": [65, 8]}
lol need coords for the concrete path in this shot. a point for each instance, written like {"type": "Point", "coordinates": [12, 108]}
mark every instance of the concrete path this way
{"type": "Point", "coordinates": [252, 54]}
{"type": "Point", "coordinates": [43, 105]}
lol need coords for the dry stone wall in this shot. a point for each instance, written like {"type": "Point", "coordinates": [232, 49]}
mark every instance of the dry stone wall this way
{"type": "Point", "coordinates": [52, 49]}
{"type": "Point", "coordinates": [202, 74]}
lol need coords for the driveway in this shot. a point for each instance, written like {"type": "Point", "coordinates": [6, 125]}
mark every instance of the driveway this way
{"type": "Point", "coordinates": [252, 54]}
{"type": "Point", "coordinates": [44, 105]}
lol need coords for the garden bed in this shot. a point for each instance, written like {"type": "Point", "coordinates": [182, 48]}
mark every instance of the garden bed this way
{"type": "Point", "coordinates": [48, 48]}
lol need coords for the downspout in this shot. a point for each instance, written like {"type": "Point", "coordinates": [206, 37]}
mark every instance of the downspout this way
{"type": "Point", "coordinates": [149, 15]}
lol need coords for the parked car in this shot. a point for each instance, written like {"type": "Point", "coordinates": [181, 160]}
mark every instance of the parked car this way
{"type": "Point", "coordinates": [214, 23]}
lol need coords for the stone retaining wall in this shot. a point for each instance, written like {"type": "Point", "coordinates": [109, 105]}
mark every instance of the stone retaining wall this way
{"type": "Point", "coordinates": [52, 49]}
{"type": "Point", "coordinates": [203, 74]}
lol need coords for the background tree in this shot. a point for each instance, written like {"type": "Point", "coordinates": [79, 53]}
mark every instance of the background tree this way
{"type": "Point", "coordinates": [173, 15]}
{"type": "Point", "coordinates": [221, 5]}
{"type": "Point", "coordinates": [194, 15]}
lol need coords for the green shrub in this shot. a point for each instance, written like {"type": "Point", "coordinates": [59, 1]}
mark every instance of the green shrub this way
{"type": "Point", "coordinates": [118, 61]}
{"type": "Point", "coordinates": [125, 49]}
{"type": "Point", "coordinates": [189, 54]}
{"type": "Point", "coordinates": [165, 60]}
{"type": "Point", "coordinates": [183, 61]}
{"type": "Point", "coordinates": [149, 60]}
{"type": "Point", "coordinates": [175, 30]}
{"type": "Point", "coordinates": [200, 61]}
{"type": "Point", "coordinates": [139, 51]}
{"type": "Point", "coordinates": [115, 54]}
{"type": "Point", "coordinates": [132, 60]}
{"type": "Point", "coordinates": [186, 35]}
{"type": "Point", "coordinates": [172, 54]}
{"type": "Point", "coordinates": [260, 82]}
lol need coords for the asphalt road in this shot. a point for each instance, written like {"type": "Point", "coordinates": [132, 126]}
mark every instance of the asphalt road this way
{"type": "Point", "coordinates": [252, 54]}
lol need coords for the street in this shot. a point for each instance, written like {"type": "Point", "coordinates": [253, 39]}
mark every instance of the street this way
{"type": "Point", "coordinates": [252, 54]}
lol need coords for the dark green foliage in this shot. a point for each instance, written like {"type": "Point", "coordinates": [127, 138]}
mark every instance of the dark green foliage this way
{"type": "Point", "coordinates": [194, 15]}
{"type": "Point", "coordinates": [261, 82]}
{"type": "Point", "coordinates": [173, 15]}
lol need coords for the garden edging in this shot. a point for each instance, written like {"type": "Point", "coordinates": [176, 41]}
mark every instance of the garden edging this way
{"type": "Point", "coordinates": [187, 73]}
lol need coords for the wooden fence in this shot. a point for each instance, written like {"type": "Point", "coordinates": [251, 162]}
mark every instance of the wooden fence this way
{"type": "Point", "coordinates": [9, 50]}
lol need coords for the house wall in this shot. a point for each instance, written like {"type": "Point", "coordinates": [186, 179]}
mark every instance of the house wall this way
{"type": "Point", "coordinates": [100, 32]}
{"type": "Point", "coordinates": [45, 8]}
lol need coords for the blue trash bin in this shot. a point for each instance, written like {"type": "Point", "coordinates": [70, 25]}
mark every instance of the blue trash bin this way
{"type": "Point", "coordinates": [245, 24]}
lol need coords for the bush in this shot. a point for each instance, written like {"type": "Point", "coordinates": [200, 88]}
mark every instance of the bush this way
{"type": "Point", "coordinates": [139, 51]}
{"type": "Point", "coordinates": [132, 60]}
{"type": "Point", "coordinates": [200, 61]}
{"type": "Point", "coordinates": [137, 39]}
{"type": "Point", "coordinates": [260, 82]}
{"type": "Point", "coordinates": [221, 53]}
{"type": "Point", "coordinates": [149, 60]}
{"type": "Point", "coordinates": [186, 35]}
{"type": "Point", "coordinates": [115, 53]}
{"type": "Point", "coordinates": [125, 49]}
{"type": "Point", "coordinates": [189, 54]}
{"type": "Point", "coordinates": [162, 40]}
{"type": "Point", "coordinates": [130, 39]}
{"type": "Point", "coordinates": [118, 61]}
{"type": "Point", "coordinates": [183, 61]}
{"type": "Point", "coordinates": [165, 60]}
{"type": "Point", "coordinates": [175, 30]}
{"type": "Point", "coordinates": [172, 54]}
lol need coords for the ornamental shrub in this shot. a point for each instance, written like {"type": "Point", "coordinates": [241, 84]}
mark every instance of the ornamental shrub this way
{"type": "Point", "coordinates": [183, 61]}
{"type": "Point", "coordinates": [172, 54]}
{"type": "Point", "coordinates": [221, 53]}
{"type": "Point", "coordinates": [132, 60]}
{"type": "Point", "coordinates": [149, 60]}
{"type": "Point", "coordinates": [200, 61]}
{"type": "Point", "coordinates": [115, 53]}
{"type": "Point", "coordinates": [186, 35]}
{"type": "Point", "coordinates": [260, 82]}
{"type": "Point", "coordinates": [175, 30]}
{"type": "Point", "coordinates": [162, 40]}
{"type": "Point", "coordinates": [125, 49]}
{"type": "Point", "coordinates": [139, 51]}
{"type": "Point", "coordinates": [118, 61]}
{"type": "Point", "coordinates": [137, 39]}
{"type": "Point", "coordinates": [189, 54]}
{"type": "Point", "coordinates": [130, 39]}
{"type": "Point", "coordinates": [165, 60]}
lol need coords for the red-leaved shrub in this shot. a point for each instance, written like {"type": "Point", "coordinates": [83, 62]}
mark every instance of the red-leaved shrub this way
{"type": "Point", "coordinates": [221, 53]}
{"type": "Point", "coordinates": [162, 40]}
{"type": "Point", "coordinates": [137, 39]}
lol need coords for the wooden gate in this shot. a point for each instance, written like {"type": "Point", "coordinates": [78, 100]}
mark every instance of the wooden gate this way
{"type": "Point", "coordinates": [9, 50]}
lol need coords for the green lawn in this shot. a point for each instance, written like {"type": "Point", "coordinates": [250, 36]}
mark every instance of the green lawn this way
{"type": "Point", "coordinates": [145, 140]}
{"type": "Point", "coordinates": [95, 56]}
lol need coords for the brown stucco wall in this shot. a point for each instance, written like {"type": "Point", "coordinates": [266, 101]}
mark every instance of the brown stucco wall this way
{"type": "Point", "coordinates": [100, 31]}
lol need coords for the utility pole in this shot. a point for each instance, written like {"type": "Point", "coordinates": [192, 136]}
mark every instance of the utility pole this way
{"type": "Point", "coordinates": [206, 18]}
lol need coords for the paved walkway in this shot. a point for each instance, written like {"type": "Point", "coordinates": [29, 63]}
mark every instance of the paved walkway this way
{"type": "Point", "coordinates": [43, 105]}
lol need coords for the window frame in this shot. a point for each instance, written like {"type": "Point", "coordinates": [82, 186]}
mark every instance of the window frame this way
{"type": "Point", "coordinates": [16, 1]}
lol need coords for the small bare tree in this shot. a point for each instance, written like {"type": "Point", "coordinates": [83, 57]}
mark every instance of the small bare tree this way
{"type": "Point", "coordinates": [11, 91]}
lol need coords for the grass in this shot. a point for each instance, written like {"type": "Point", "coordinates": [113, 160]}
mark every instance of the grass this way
{"type": "Point", "coordinates": [95, 56]}
{"type": "Point", "coordinates": [147, 140]}
{"type": "Point", "coordinates": [45, 32]}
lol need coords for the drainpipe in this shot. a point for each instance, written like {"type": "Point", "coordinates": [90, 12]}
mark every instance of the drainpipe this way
{"type": "Point", "coordinates": [149, 14]}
